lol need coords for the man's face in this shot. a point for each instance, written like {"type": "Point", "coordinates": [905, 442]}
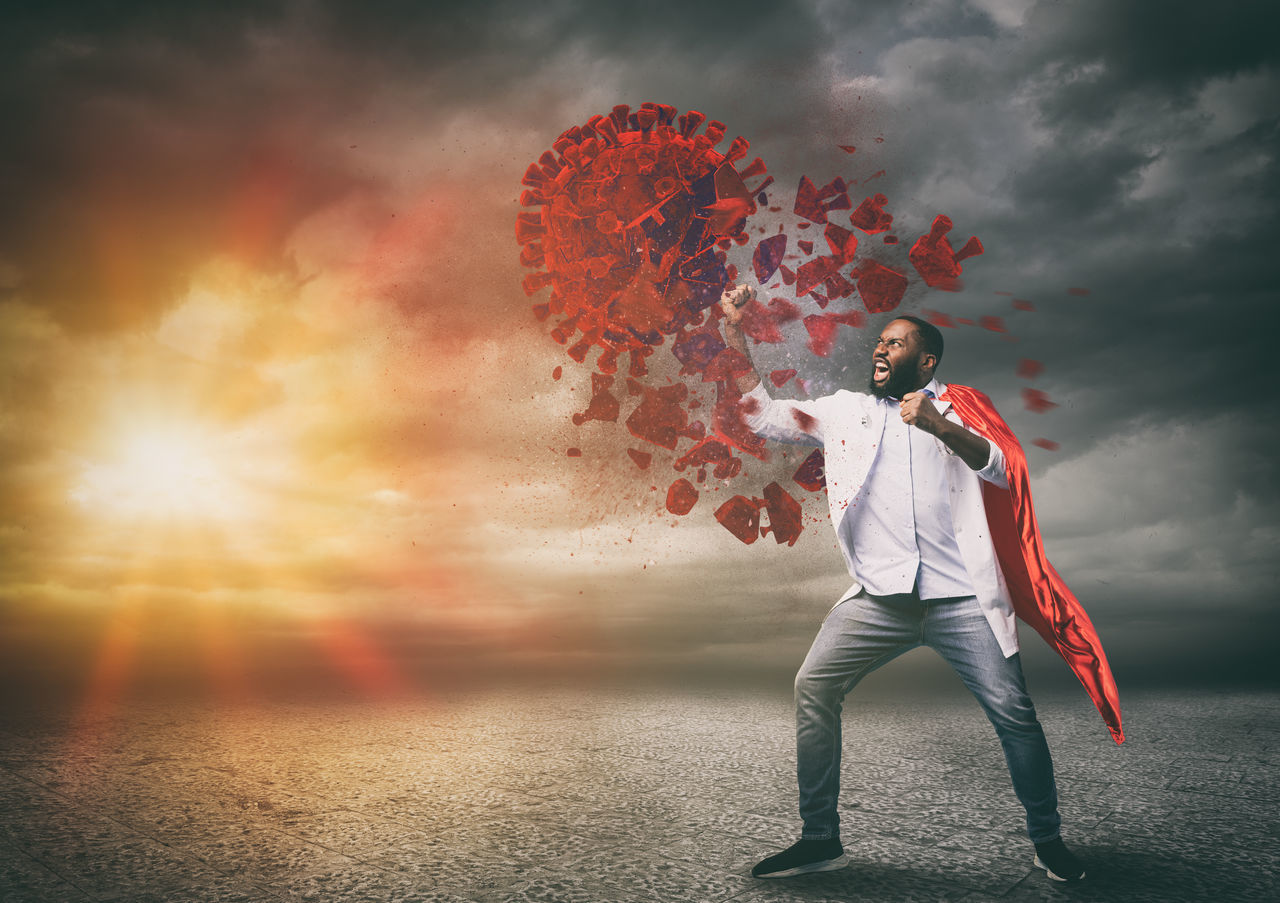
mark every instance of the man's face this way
{"type": "Point", "coordinates": [896, 363]}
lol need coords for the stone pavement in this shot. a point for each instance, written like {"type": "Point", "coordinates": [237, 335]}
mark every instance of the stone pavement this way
{"type": "Point", "coordinates": [605, 797]}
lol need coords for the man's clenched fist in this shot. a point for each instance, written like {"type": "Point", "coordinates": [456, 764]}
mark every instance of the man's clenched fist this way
{"type": "Point", "coordinates": [733, 300]}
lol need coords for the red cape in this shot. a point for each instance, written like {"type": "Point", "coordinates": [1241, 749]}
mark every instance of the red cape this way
{"type": "Point", "coordinates": [1040, 598]}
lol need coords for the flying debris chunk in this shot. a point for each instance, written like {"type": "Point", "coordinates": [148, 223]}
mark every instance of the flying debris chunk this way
{"type": "Point", "coordinates": [603, 405]}
{"type": "Point", "coordinates": [1036, 400]}
{"type": "Point", "coordinates": [681, 497]}
{"type": "Point", "coordinates": [813, 203]}
{"type": "Point", "coordinates": [1046, 444]}
{"type": "Point", "coordinates": [642, 458]}
{"type": "Point", "coordinates": [741, 517]}
{"type": "Point", "coordinates": [870, 216]}
{"type": "Point", "coordinates": [882, 288]}
{"type": "Point", "coordinates": [1029, 369]}
{"type": "Point", "coordinates": [812, 473]}
{"type": "Point", "coordinates": [784, 515]}
{"type": "Point", "coordinates": [768, 255]}
{"type": "Point", "coordinates": [781, 377]}
{"type": "Point", "coordinates": [660, 417]}
{"type": "Point", "coordinates": [714, 452]}
{"type": "Point", "coordinates": [934, 259]}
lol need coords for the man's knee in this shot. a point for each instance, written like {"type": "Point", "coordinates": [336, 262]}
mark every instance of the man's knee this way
{"type": "Point", "coordinates": [1011, 709]}
{"type": "Point", "coordinates": [811, 686]}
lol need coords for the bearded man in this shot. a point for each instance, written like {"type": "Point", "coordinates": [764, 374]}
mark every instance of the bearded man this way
{"type": "Point", "coordinates": [905, 482]}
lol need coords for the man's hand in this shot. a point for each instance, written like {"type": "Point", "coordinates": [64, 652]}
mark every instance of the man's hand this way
{"type": "Point", "coordinates": [918, 410]}
{"type": "Point", "coordinates": [732, 302]}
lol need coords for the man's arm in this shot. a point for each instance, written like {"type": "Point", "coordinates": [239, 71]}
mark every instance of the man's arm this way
{"type": "Point", "coordinates": [732, 302]}
{"type": "Point", "coordinates": [973, 450]}
{"type": "Point", "coordinates": [798, 422]}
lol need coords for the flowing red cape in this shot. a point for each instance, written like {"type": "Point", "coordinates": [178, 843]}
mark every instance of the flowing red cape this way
{"type": "Point", "coordinates": [1040, 597]}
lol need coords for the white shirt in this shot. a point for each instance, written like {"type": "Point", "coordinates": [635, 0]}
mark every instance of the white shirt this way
{"type": "Point", "coordinates": [900, 530]}
{"type": "Point", "coordinates": [850, 427]}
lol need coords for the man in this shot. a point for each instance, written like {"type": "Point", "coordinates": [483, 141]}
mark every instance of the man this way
{"type": "Point", "coordinates": [904, 479]}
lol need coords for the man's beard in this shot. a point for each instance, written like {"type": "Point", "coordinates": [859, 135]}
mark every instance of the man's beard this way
{"type": "Point", "coordinates": [901, 381]}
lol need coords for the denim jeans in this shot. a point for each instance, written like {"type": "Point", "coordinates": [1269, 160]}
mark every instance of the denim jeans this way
{"type": "Point", "coordinates": [865, 632]}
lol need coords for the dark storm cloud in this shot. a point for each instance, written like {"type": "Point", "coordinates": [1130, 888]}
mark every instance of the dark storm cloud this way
{"type": "Point", "coordinates": [1125, 147]}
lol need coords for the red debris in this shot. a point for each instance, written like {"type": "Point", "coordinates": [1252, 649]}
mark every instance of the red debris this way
{"type": "Point", "coordinates": [781, 377]}
{"type": "Point", "coordinates": [843, 243]}
{"type": "Point", "coordinates": [660, 417]}
{"type": "Point", "coordinates": [812, 474]}
{"type": "Point", "coordinates": [714, 452]}
{"type": "Point", "coordinates": [995, 324]}
{"type": "Point", "coordinates": [1029, 369]}
{"type": "Point", "coordinates": [814, 203]}
{"type": "Point", "coordinates": [555, 374]}
{"type": "Point", "coordinates": [811, 274]}
{"type": "Point", "coordinates": [939, 319]}
{"type": "Point", "coordinates": [1047, 444]}
{"type": "Point", "coordinates": [783, 311]}
{"type": "Point", "coordinates": [603, 405]}
{"type": "Point", "coordinates": [681, 497]}
{"type": "Point", "coordinates": [728, 364]}
{"type": "Point", "coordinates": [574, 453]}
{"type": "Point", "coordinates": [642, 458]}
{"type": "Point", "coordinates": [729, 425]}
{"type": "Point", "coordinates": [934, 259]}
{"type": "Point", "coordinates": [870, 216]}
{"type": "Point", "coordinates": [807, 423]}
{"type": "Point", "coordinates": [822, 334]}
{"type": "Point", "coordinates": [847, 148]}
{"type": "Point", "coordinates": [768, 256]}
{"type": "Point", "coordinates": [881, 288]}
{"type": "Point", "coordinates": [784, 515]}
{"type": "Point", "coordinates": [1078, 291]}
{"type": "Point", "coordinates": [1037, 400]}
{"type": "Point", "coordinates": [741, 517]}
{"type": "Point", "coordinates": [806, 247]}
{"type": "Point", "coordinates": [1022, 304]}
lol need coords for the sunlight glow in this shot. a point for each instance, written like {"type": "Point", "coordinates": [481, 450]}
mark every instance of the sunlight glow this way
{"type": "Point", "coordinates": [166, 471]}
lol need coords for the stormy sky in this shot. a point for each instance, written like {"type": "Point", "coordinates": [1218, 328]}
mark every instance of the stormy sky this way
{"type": "Point", "coordinates": [276, 408]}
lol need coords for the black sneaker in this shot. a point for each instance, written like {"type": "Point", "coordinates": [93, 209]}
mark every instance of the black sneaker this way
{"type": "Point", "coordinates": [803, 857]}
{"type": "Point", "coordinates": [1058, 861]}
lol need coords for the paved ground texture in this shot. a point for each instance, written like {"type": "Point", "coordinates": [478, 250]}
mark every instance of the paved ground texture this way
{"type": "Point", "coordinates": [604, 797]}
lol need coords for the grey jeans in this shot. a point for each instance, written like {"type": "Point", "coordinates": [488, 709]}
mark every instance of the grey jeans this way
{"type": "Point", "coordinates": [865, 632]}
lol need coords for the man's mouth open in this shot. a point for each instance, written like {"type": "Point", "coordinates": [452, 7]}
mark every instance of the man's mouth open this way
{"type": "Point", "coordinates": [880, 371]}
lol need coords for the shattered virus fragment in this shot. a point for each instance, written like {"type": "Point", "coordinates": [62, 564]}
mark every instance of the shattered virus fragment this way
{"type": "Point", "coordinates": [681, 497]}
{"type": "Point", "coordinates": [1029, 369]}
{"type": "Point", "coordinates": [741, 517]}
{"type": "Point", "coordinates": [812, 474]}
{"type": "Point", "coordinates": [934, 259]}
{"type": "Point", "coordinates": [1046, 444]}
{"type": "Point", "coordinates": [628, 223]}
{"type": "Point", "coordinates": [1036, 400]}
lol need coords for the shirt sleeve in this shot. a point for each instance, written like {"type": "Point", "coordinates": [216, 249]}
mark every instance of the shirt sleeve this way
{"type": "Point", "coordinates": [783, 420]}
{"type": "Point", "coordinates": [994, 471]}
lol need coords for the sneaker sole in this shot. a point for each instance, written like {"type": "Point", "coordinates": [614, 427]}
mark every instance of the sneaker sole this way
{"type": "Point", "coordinates": [827, 865]}
{"type": "Point", "coordinates": [1056, 877]}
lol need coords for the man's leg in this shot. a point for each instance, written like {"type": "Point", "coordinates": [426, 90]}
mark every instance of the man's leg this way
{"type": "Point", "coordinates": [959, 631]}
{"type": "Point", "coordinates": [858, 636]}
